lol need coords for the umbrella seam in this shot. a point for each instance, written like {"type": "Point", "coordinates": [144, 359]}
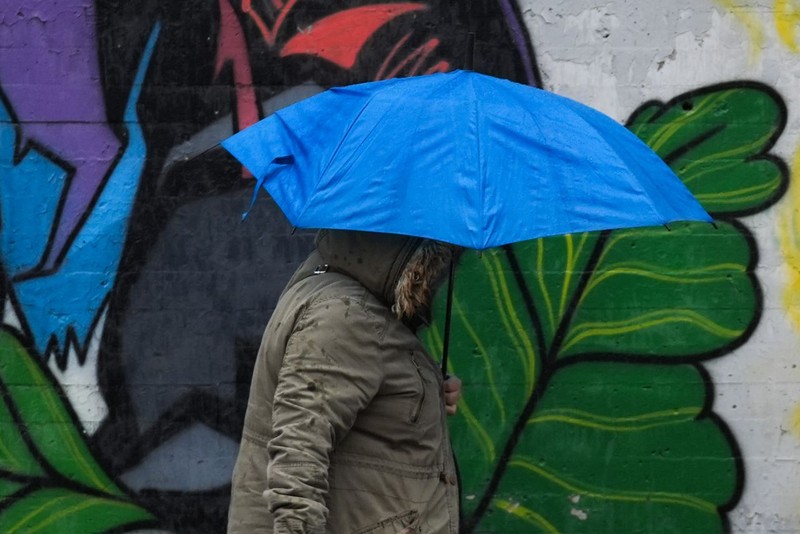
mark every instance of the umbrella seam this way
{"type": "Point", "coordinates": [346, 135]}
{"type": "Point", "coordinates": [335, 152]}
{"type": "Point", "coordinates": [480, 163]}
{"type": "Point", "coordinates": [542, 134]}
{"type": "Point", "coordinates": [646, 194]}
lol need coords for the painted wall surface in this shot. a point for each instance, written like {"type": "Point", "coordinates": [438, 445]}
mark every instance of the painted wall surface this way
{"type": "Point", "coordinates": [628, 381]}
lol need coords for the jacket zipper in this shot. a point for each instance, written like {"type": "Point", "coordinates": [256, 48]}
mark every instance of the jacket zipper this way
{"type": "Point", "coordinates": [415, 415]}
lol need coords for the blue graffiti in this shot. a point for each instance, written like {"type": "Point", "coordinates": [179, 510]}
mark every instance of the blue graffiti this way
{"type": "Point", "coordinates": [68, 301]}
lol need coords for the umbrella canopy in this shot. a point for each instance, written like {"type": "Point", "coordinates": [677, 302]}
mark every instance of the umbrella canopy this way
{"type": "Point", "coordinates": [459, 157]}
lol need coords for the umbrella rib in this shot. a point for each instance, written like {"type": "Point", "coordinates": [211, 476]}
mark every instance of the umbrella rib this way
{"type": "Point", "coordinates": [646, 196]}
{"type": "Point", "coordinates": [481, 173]}
{"type": "Point", "coordinates": [346, 133]}
{"type": "Point", "coordinates": [334, 154]}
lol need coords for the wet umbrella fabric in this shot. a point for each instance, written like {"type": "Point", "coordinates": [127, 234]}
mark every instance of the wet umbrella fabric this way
{"type": "Point", "coordinates": [459, 157]}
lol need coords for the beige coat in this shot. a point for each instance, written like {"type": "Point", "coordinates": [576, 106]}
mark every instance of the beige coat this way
{"type": "Point", "coordinates": [345, 429]}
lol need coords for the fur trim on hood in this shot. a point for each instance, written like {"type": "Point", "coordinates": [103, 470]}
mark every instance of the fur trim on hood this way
{"type": "Point", "coordinates": [421, 277]}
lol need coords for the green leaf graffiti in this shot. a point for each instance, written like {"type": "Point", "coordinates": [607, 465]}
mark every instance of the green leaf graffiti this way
{"type": "Point", "coordinates": [49, 479]}
{"type": "Point", "coordinates": [672, 293]}
{"type": "Point", "coordinates": [585, 407]}
{"type": "Point", "coordinates": [613, 446]}
{"type": "Point", "coordinates": [59, 510]}
{"type": "Point", "coordinates": [716, 140]}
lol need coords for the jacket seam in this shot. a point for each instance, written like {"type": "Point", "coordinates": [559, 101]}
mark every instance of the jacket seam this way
{"type": "Point", "coordinates": [255, 438]}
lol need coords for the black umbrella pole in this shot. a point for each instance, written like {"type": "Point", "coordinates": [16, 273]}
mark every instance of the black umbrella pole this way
{"type": "Point", "coordinates": [447, 316]}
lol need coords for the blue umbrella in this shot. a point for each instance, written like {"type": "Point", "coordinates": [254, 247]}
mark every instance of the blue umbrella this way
{"type": "Point", "coordinates": [460, 157]}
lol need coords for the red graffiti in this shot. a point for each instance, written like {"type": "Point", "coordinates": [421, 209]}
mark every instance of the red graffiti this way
{"type": "Point", "coordinates": [232, 49]}
{"type": "Point", "coordinates": [340, 37]}
{"type": "Point", "coordinates": [269, 33]}
{"type": "Point", "coordinates": [420, 53]}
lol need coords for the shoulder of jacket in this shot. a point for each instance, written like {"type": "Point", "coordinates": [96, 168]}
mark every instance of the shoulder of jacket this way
{"type": "Point", "coordinates": [334, 294]}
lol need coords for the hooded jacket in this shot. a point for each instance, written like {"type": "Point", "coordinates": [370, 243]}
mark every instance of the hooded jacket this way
{"type": "Point", "coordinates": [345, 429]}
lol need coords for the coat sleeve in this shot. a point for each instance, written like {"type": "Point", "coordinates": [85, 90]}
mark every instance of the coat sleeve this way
{"type": "Point", "coordinates": [331, 370]}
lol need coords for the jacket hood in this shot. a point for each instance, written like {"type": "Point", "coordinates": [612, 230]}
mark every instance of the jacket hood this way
{"type": "Point", "coordinates": [402, 271]}
{"type": "Point", "coordinates": [375, 260]}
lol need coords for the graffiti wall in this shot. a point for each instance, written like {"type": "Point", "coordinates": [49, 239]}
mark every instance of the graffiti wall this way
{"type": "Point", "coordinates": [642, 380]}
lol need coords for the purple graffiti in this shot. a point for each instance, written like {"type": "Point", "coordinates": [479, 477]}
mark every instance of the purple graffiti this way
{"type": "Point", "coordinates": [50, 75]}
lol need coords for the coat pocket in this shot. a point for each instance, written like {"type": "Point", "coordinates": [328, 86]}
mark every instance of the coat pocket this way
{"type": "Point", "coordinates": [404, 522]}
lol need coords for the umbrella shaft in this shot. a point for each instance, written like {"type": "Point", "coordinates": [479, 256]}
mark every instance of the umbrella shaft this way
{"type": "Point", "coordinates": [447, 317]}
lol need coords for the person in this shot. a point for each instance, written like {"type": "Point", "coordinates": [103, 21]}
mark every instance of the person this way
{"type": "Point", "coordinates": [345, 429]}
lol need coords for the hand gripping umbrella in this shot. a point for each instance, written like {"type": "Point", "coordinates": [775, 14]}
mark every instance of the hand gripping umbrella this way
{"type": "Point", "coordinates": [460, 157]}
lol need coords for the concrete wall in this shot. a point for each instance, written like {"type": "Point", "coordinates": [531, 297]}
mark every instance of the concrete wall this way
{"type": "Point", "coordinates": [631, 381]}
